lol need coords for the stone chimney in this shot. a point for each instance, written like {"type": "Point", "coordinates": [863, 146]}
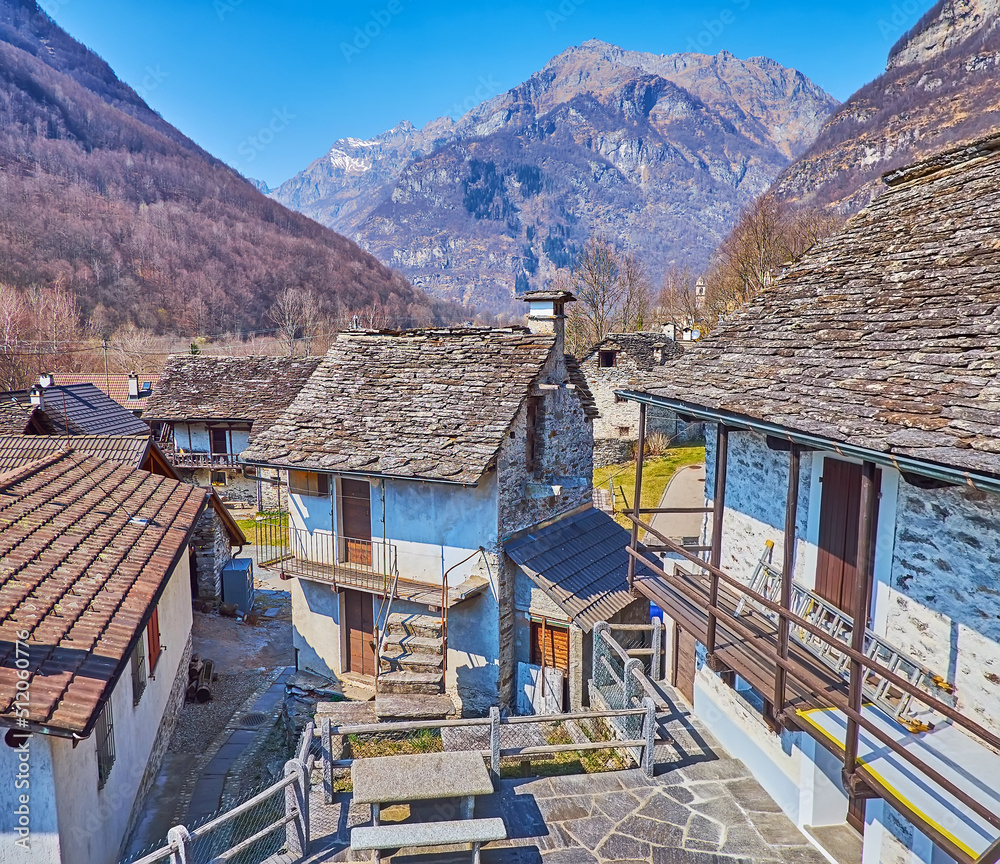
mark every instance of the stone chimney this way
{"type": "Point", "coordinates": [133, 385]}
{"type": "Point", "coordinates": [546, 314]}
{"type": "Point", "coordinates": [38, 397]}
{"type": "Point", "coordinates": [46, 379]}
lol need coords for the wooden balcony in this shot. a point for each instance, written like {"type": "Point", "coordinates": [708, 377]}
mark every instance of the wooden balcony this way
{"type": "Point", "coordinates": [355, 564]}
{"type": "Point", "coordinates": [181, 458]}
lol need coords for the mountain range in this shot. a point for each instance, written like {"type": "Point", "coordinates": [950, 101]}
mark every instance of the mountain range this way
{"type": "Point", "coordinates": [658, 152]}
{"type": "Point", "coordinates": [939, 89]}
{"type": "Point", "coordinates": [99, 194]}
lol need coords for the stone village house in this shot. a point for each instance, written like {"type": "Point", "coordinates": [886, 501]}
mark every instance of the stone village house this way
{"type": "Point", "coordinates": [428, 456]}
{"type": "Point", "coordinates": [95, 637]}
{"type": "Point", "coordinates": [613, 364]}
{"type": "Point", "coordinates": [854, 420]}
{"type": "Point", "coordinates": [205, 409]}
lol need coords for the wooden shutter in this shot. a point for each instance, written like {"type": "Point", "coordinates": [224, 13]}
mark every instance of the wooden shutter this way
{"type": "Point", "coordinates": [153, 636]}
{"type": "Point", "coordinates": [555, 649]}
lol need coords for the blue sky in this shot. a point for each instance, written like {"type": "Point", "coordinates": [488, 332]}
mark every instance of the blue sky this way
{"type": "Point", "coordinates": [307, 72]}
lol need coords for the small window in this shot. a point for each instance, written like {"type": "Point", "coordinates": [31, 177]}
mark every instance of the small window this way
{"type": "Point", "coordinates": [138, 671]}
{"type": "Point", "coordinates": [220, 442]}
{"type": "Point", "coordinates": [153, 637]}
{"type": "Point", "coordinates": [607, 359]}
{"type": "Point", "coordinates": [309, 483]}
{"type": "Point", "coordinates": [219, 478]}
{"type": "Point", "coordinates": [624, 431]}
{"type": "Point", "coordinates": [104, 732]}
{"type": "Point", "coordinates": [620, 399]}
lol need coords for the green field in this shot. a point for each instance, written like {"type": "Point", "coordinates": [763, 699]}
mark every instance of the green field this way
{"type": "Point", "coordinates": [657, 471]}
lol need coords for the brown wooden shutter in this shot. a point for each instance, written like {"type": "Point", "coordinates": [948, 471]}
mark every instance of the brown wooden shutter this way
{"type": "Point", "coordinates": [153, 636]}
{"type": "Point", "coordinates": [554, 651]}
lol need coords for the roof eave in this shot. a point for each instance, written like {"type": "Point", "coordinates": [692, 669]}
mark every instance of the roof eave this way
{"type": "Point", "coordinates": [346, 472]}
{"type": "Point", "coordinates": [909, 464]}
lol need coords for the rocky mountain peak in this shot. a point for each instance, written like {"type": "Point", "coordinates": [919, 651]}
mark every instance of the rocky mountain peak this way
{"type": "Point", "coordinates": [946, 24]}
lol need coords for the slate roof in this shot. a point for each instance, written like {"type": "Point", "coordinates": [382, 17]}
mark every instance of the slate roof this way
{"type": "Point", "coordinates": [74, 409]}
{"type": "Point", "coordinates": [15, 412]}
{"type": "Point", "coordinates": [82, 578]}
{"type": "Point", "coordinates": [581, 563]}
{"type": "Point", "coordinates": [18, 450]}
{"type": "Point", "coordinates": [640, 347]}
{"type": "Point", "coordinates": [115, 385]}
{"type": "Point", "coordinates": [249, 389]}
{"type": "Point", "coordinates": [885, 336]}
{"type": "Point", "coordinates": [431, 404]}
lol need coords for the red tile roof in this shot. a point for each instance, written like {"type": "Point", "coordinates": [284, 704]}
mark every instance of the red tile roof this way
{"type": "Point", "coordinates": [86, 548]}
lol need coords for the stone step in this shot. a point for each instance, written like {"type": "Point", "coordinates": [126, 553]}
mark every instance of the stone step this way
{"type": "Point", "coordinates": [413, 644]}
{"type": "Point", "coordinates": [413, 707]}
{"type": "Point", "coordinates": [403, 624]}
{"type": "Point", "coordinates": [407, 683]}
{"type": "Point", "coordinates": [395, 658]}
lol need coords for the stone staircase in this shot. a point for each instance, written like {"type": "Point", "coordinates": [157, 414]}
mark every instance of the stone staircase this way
{"type": "Point", "coordinates": [410, 685]}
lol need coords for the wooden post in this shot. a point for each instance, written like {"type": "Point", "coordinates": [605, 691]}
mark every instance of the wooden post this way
{"type": "Point", "coordinates": [640, 451]}
{"type": "Point", "coordinates": [293, 829]}
{"type": "Point", "coordinates": [787, 573]}
{"type": "Point", "coordinates": [718, 509]}
{"type": "Point", "coordinates": [327, 742]}
{"type": "Point", "coordinates": [495, 743]}
{"type": "Point", "coordinates": [991, 855]}
{"type": "Point", "coordinates": [649, 734]}
{"type": "Point", "coordinates": [866, 531]}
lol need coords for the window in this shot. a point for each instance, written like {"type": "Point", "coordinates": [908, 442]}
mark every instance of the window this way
{"type": "Point", "coordinates": [607, 359]}
{"type": "Point", "coordinates": [220, 442]}
{"type": "Point", "coordinates": [309, 483]}
{"type": "Point", "coordinates": [104, 732]}
{"type": "Point", "coordinates": [138, 670]}
{"type": "Point", "coordinates": [153, 637]}
{"type": "Point", "coordinates": [624, 431]}
{"type": "Point", "coordinates": [219, 478]}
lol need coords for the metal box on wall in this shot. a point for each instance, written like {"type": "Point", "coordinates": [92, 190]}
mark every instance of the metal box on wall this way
{"type": "Point", "coordinates": [237, 584]}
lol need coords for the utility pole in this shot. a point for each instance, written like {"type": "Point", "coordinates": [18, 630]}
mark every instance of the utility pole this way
{"type": "Point", "coordinates": [107, 378]}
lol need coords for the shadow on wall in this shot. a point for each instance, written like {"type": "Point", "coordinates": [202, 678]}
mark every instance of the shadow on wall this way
{"type": "Point", "coordinates": [477, 687]}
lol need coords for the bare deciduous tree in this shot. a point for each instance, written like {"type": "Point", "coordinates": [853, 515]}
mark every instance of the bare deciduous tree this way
{"type": "Point", "coordinates": [132, 349]}
{"type": "Point", "coordinates": [295, 314]}
{"type": "Point", "coordinates": [612, 293]}
{"type": "Point", "coordinates": [14, 366]}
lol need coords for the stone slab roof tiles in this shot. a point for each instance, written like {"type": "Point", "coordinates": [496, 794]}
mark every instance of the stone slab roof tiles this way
{"type": "Point", "coordinates": [885, 336]}
{"type": "Point", "coordinates": [433, 404]}
{"type": "Point", "coordinates": [86, 548]}
{"type": "Point", "coordinates": [249, 389]}
{"type": "Point", "coordinates": [581, 563]}
{"type": "Point", "coordinates": [640, 347]}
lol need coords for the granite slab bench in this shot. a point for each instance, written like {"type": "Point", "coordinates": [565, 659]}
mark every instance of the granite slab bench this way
{"type": "Point", "coordinates": [406, 836]}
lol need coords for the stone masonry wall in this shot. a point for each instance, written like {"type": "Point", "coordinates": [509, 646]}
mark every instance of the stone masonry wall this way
{"type": "Point", "coordinates": [616, 431]}
{"type": "Point", "coordinates": [564, 456]}
{"type": "Point", "coordinates": [945, 592]}
{"type": "Point", "coordinates": [756, 484]}
{"type": "Point", "coordinates": [212, 553]}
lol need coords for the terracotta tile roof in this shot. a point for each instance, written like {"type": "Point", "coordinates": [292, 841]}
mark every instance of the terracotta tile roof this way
{"type": "Point", "coordinates": [115, 386]}
{"type": "Point", "coordinates": [253, 389]}
{"type": "Point", "coordinates": [886, 336]}
{"type": "Point", "coordinates": [640, 347]}
{"type": "Point", "coordinates": [82, 577]}
{"type": "Point", "coordinates": [18, 450]}
{"type": "Point", "coordinates": [433, 404]}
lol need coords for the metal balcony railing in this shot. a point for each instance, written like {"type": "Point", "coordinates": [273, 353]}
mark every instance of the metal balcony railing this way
{"type": "Point", "coordinates": [326, 556]}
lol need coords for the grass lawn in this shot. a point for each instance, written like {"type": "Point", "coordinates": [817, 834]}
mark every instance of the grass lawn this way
{"type": "Point", "coordinates": [657, 471]}
{"type": "Point", "coordinates": [266, 533]}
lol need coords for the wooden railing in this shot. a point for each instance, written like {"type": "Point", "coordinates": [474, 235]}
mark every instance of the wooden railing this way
{"type": "Point", "coordinates": [857, 775]}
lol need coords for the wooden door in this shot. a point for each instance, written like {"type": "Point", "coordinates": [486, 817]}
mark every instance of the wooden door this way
{"type": "Point", "coordinates": [356, 520]}
{"type": "Point", "coordinates": [685, 663]}
{"type": "Point", "coordinates": [553, 651]}
{"type": "Point", "coordinates": [839, 524]}
{"type": "Point", "coordinates": [359, 615]}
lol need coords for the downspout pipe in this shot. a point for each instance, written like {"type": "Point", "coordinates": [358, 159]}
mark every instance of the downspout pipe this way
{"type": "Point", "coordinates": [908, 464]}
